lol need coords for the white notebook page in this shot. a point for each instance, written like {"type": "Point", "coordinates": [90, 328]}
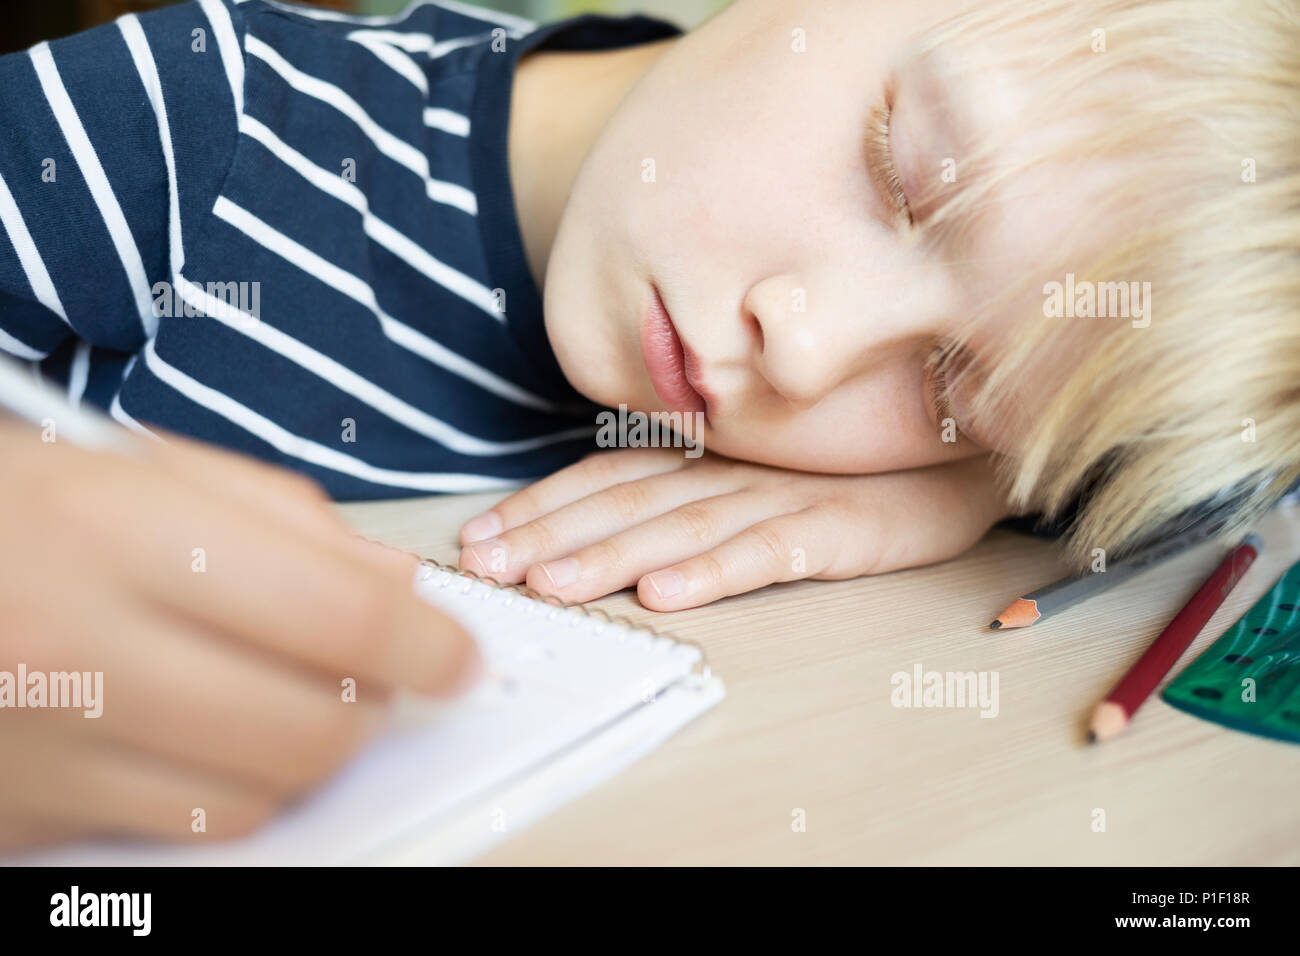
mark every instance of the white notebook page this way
{"type": "Point", "coordinates": [570, 699]}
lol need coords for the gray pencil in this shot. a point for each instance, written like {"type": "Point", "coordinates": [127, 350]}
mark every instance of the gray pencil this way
{"type": "Point", "coordinates": [1061, 594]}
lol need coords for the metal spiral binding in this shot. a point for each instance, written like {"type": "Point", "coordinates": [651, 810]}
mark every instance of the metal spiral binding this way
{"type": "Point", "coordinates": [700, 669]}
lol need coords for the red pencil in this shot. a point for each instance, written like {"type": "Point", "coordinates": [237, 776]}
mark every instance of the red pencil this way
{"type": "Point", "coordinates": [1113, 714]}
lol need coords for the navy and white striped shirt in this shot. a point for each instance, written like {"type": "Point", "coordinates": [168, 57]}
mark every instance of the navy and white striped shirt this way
{"type": "Point", "coordinates": [291, 232]}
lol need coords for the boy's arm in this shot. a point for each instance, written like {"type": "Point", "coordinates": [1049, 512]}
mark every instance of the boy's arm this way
{"type": "Point", "coordinates": [112, 139]}
{"type": "Point", "coordinates": [175, 573]}
{"type": "Point", "coordinates": [685, 532]}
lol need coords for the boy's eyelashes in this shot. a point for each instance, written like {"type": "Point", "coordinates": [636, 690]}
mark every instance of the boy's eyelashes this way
{"type": "Point", "coordinates": [945, 360]}
{"type": "Point", "coordinates": [954, 376]}
{"type": "Point", "coordinates": [882, 166]}
{"type": "Point", "coordinates": [936, 385]}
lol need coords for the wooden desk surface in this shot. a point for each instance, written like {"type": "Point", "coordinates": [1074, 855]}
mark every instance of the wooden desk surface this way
{"type": "Point", "coordinates": [808, 724]}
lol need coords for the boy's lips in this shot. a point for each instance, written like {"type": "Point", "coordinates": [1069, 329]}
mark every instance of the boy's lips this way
{"type": "Point", "coordinates": [674, 370]}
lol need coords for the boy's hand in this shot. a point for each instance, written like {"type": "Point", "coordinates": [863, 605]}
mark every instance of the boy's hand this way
{"type": "Point", "coordinates": [687, 532]}
{"type": "Point", "coordinates": [225, 603]}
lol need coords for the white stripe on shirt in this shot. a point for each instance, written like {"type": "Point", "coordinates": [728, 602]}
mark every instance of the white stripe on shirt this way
{"type": "Point", "coordinates": [115, 409]}
{"type": "Point", "coordinates": [391, 146]}
{"type": "Point", "coordinates": [443, 47]}
{"type": "Point", "coordinates": [145, 66]}
{"type": "Point", "coordinates": [411, 42]}
{"type": "Point", "coordinates": [79, 372]}
{"type": "Point", "coordinates": [417, 43]}
{"type": "Point", "coordinates": [307, 450]}
{"type": "Point", "coordinates": [391, 56]}
{"type": "Point", "coordinates": [337, 278]}
{"type": "Point", "coordinates": [29, 257]}
{"type": "Point", "coordinates": [362, 389]}
{"type": "Point", "coordinates": [446, 120]}
{"type": "Point", "coordinates": [406, 249]}
{"type": "Point", "coordinates": [232, 57]}
{"type": "Point", "coordinates": [96, 181]}
{"type": "Point", "coordinates": [488, 16]}
{"type": "Point", "coordinates": [357, 290]}
{"type": "Point", "coordinates": [19, 349]}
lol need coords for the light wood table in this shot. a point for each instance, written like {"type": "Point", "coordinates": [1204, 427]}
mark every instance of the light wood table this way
{"type": "Point", "coordinates": [808, 725]}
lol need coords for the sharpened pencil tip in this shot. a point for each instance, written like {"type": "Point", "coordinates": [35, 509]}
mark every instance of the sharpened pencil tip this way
{"type": "Point", "coordinates": [995, 625]}
{"type": "Point", "coordinates": [1092, 736]}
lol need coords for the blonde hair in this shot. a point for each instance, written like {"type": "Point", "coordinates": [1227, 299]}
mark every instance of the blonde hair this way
{"type": "Point", "coordinates": [1187, 99]}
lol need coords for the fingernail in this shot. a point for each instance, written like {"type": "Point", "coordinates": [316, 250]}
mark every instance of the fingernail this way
{"type": "Point", "coordinates": [486, 525]}
{"type": "Point", "coordinates": [561, 573]}
{"type": "Point", "coordinates": [492, 555]}
{"type": "Point", "coordinates": [475, 670]}
{"type": "Point", "coordinates": [666, 584]}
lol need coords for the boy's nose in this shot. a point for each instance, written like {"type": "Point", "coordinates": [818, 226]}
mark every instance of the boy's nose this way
{"type": "Point", "coordinates": [805, 350]}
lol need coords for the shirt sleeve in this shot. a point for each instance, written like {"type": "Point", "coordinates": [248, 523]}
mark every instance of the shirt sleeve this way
{"type": "Point", "coordinates": [112, 139]}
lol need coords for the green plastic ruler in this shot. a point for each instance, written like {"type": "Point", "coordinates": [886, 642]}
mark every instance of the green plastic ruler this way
{"type": "Point", "coordinates": [1249, 679]}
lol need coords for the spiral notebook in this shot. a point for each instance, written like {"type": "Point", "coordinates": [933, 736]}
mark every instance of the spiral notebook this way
{"type": "Point", "coordinates": [572, 697]}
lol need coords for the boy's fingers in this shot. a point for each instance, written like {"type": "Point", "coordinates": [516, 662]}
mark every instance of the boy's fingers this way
{"type": "Point", "coordinates": [325, 605]}
{"type": "Point", "coordinates": [623, 559]}
{"type": "Point", "coordinates": [30, 832]}
{"type": "Point", "coordinates": [582, 523]}
{"type": "Point", "coordinates": [167, 692]}
{"type": "Point", "coordinates": [778, 549]}
{"type": "Point", "coordinates": [594, 473]}
{"type": "Point", "coordinates": [110, 790]}
{"type": "Point", "coordinates": [281, 494]}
